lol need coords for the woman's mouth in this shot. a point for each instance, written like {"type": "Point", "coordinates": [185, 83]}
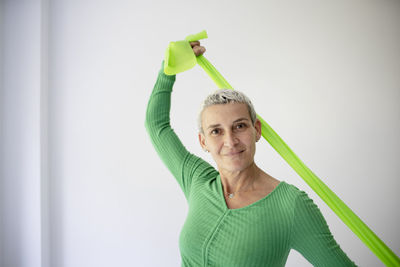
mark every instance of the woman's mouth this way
{"type": "Point", "coordinates": [234, 153]}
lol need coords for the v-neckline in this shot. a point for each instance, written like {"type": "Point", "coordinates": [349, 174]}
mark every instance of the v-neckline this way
{"type": "Point", "coordinates": [221, 194]}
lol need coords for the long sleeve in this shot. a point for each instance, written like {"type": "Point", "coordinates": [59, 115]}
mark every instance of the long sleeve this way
{"type": "Point", "coordinates": [311, 235]}
{"type": "Point", "coordinates": [183, 165]}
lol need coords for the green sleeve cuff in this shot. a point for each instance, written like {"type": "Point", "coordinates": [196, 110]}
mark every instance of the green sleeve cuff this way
{"type": "Point", "coordinates": [162, 74]}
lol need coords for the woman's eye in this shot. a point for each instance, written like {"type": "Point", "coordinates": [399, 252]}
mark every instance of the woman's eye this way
{"type": "Point", "coordinates": [240, 126]}
{"type": "Point", "coordinates": [215, 132]}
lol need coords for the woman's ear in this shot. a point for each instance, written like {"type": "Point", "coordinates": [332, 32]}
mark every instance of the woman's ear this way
{"type": "Point", "coordinates": [202, 141]}
{"type": "Point", "coordinates": [257, 126]}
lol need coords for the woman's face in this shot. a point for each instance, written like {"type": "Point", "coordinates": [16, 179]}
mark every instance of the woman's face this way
{"type": "Point", "coordinates": [229, 135]}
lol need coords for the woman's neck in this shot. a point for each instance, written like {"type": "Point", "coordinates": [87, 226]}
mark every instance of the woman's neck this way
{"type": "Point", "coordinates": [240, 180]}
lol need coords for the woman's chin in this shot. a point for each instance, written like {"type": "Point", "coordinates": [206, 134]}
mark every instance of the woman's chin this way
{"type": "Point", "coordinates": [235, 166]}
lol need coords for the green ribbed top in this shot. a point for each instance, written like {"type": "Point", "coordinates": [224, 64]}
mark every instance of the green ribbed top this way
{"type": "Point", "coordinates": [260, 234]}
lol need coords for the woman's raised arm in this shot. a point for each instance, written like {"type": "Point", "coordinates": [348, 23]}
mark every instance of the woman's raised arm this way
{"type": "Point", "coordinates": [183, 165]}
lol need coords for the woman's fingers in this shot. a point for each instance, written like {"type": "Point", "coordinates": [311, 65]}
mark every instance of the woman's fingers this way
{"type": "Point", "coordinates": [195, 43]}
{"type": "Point", "coordinates": [199, 50]}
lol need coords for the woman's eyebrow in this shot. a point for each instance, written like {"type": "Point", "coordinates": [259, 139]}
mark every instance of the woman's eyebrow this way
{"type": "Point", "coordinates": [218, 124]}
{"type": "Point", "coordinates": [213, 126]}
{"type": "Point", "coordinates": [241, 119]}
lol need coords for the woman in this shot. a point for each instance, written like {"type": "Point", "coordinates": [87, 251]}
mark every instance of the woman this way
{"type": "Point", "coordinates": [238, 215]}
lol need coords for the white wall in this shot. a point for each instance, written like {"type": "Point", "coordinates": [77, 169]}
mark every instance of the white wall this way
{"type": "Point", "coordinates": [20, 159]}
{"type": "Point", "coordinates": [1, 130]}
{"type": "Point", "coordinates": [324, 75]}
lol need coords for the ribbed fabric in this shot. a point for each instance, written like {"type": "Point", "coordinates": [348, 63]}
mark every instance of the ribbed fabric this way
{"type": "Point", "coordinates": [260, 234]}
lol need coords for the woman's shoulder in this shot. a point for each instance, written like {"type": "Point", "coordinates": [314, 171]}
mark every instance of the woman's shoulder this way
{"type": "Point", "coordinates": [291, 187]}
{"type": "Point", "coordinates": [271, 183]}
{"type": "Point", "coordinates": [300, 198]}
{"type": "Point", "coordinates": [286, 190]}
{"type": "Point", "coordinates": [290, 191]}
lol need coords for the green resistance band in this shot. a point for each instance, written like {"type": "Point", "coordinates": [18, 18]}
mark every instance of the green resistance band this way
{"type": "Point", "coordinates": [179, 57]}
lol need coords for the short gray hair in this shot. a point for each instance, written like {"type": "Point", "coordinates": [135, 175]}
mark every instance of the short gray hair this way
{"type": "Point", "coordinates": [225, 96]}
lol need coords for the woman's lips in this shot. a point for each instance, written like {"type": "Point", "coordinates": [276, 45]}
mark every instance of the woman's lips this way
{"type": "Point", "coordinates": [233, 153]}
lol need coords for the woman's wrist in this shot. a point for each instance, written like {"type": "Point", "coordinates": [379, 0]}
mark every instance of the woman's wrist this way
{"type": "Point", "coordinates": [161, 72]}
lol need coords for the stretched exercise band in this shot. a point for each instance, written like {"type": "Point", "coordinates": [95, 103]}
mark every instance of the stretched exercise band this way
{"type": "Point", "coordinates": [179, 57]}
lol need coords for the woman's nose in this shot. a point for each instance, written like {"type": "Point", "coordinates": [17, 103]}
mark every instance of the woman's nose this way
{"type": "Point", "coordinates": [230, 140]}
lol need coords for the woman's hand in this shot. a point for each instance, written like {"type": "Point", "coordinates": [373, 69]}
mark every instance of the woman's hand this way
{"type": "Point", "coordinates": [197, 49]}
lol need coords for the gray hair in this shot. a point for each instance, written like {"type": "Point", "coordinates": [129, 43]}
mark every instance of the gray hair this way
{"type": "Point", "coordinates": [225, 96]}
